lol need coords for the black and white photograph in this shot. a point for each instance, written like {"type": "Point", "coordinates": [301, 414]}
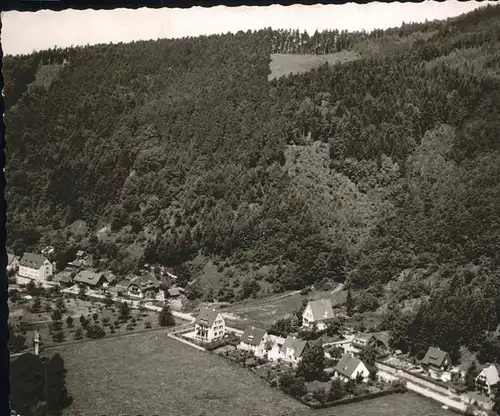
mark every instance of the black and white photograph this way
{"type": "Point", "coordinates": [253, 210]}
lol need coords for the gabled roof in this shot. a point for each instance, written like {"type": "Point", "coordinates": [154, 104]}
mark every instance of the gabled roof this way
{"type": "Point", "coordinates": [384, 337]}
{"type": "Point", "coordinates": [64, 277]}
{"type": "Point", "coordinates": [491, 374]}
{"type": "Point", "coordinates": [145, 282]}
{"type": "Point", "coordinates": [206, 316]}
{"type": "Point", "coordinates": [110, 277]}
{"type": "Point", "coordinates": [253, 336]}
{"type": "Point", "coordinates": [347, 365]}
{"type": "Point", "coordinates": [434, 356]}
{"type": "Point", "coordinates": [277, 340]}
{"type": "Point", "coordinates": [297, 345]}
{"type": "Point", "coordinates": [75, 263]}
{"type": "Point", "coordinates": [321, 309]}
{"type": "Point", "coordinates": [89, 277]}
{"type": "Point", "coordinates": [174, 291]}
{"type": "Point", "coordinates": [34, 261]}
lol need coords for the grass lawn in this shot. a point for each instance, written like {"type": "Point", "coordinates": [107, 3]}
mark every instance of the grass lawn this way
{"type": "Point", "coordinates": [406, 404]}
{"type": "Point", "coordinates": [263, 312]}
{"type": "Point", "coordinates": [285, 64]}
{"type": "Point", "coordinates": [151, 374]}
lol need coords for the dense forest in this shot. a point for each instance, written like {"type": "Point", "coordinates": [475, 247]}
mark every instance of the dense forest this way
{"type": "Point", "coordinates": [371, 172]}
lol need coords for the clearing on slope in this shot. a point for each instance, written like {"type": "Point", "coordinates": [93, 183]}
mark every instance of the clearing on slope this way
{"type": "Point", "coordinates": [286, 64]}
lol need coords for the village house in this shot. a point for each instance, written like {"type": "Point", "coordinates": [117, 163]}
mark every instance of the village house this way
{"type": "Point", "coordinates": [80, 255]}
{"type": "Point", "coordinates": [36, 267]}
{"type": "Point", "coordinates": [75, 265]}
{"type": "Point", "coordinates": [12, 262]}
{"type": "Point", "coordinates": [173, 292]}
{"type": "Point", "coordinates": [379, 340]}
{"type": "Point", "coordinates": [255, 340]}
{"type": "Point", "coordinates": [487, 379]}
{"type": "Point", "coordinates": [48, 252]}
{"type": "Point", "coordinates": [349, 368]}
{"type": "Point", "coordinates": [436, 359]}
{"type": "Point", "coordinates": [90, 278]}
{"type": "Point", "coordinates": [146, 286]}
{"type": "Point", "coordinates": [318, 313]}
{"type": "Point", "coordinates": [292, 350]}
{"type": "Point", "coordinates": [274, 353]}
{"type": "Point", "coordinates": [64, 278]}
{"type": "Point", "coordinates": [209, 325]}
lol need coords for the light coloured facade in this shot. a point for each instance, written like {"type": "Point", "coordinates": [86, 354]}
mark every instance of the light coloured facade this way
{"type": "Point", "coordinates": [36, 267]}
{"type": "Point", "coordinates": [350, 368]}
{"type": "Point", "coordinates": [255, 340]}
{"type": "Point", "coordinates": [318, 313]}
{"type": "Point", "coordinates": [487, 380]}
{"type": "Point", "coordinates": [209, 325]}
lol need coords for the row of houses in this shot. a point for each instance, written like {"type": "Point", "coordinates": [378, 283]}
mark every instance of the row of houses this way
{"type": "Point", "coordinates": [37, 267]}
{"type": "Point", "coordinates": [210, 326]}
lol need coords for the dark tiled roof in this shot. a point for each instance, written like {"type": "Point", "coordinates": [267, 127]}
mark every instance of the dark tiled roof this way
{"type": "Point", "coordinates": [174, 291]}
{"type": "Point", "coordinates": [64, 277]}
{"type": "Point", "coordinates": [347, 365]}
{"type": "Point", "coordinates": [35, 261]}
{"type": "Point", "coordinates": [253, 336]}
{"type": "Point", "coordinates": [89, 277]}
{"type": "Point", "coordinates": [207, 316]}
{"type": "Point", "coordinates": [297, 345]}
{"type": "Point", "coordinates": [435, 357]}
{"type": "Point", "coordinates": [145, 282]}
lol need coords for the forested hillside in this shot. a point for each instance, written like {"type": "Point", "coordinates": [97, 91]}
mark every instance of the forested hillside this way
{"type": "Point", "coordinates": [373, 171]}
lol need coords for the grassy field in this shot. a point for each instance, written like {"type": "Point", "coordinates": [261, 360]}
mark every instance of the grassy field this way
{"type": "Point", "coordinates": [407, 404]}
{"type": "Point", "coordinates": [286, 64]}
{"type": "Point", "coordinates": [263, 312]}
{"type": "Point", "coordinates": [152, 374]}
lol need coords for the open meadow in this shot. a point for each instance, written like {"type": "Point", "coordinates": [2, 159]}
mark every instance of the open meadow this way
{"type": "Point", "coordinates": [263, 312]}
{"type": "Point", "coordinates": [286, 64]}
{"type": "Point", "coordinates": [151, 374]}
{"type": "Point", "coordinates": [407, 404]}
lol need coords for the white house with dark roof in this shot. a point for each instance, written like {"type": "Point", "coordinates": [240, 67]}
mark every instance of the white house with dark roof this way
{"type": "Point", "coordinates": [292, 350]}
{"type": "Point", "coordinates": [255, 340]}
{"type": "Point", "coordinates": [35, 266]}
{"type": "Point", "coordinates": [12, 262]}
{"type": "Point", "coordinates": [209, 325]}
{"type": "Point", "coordinates": [90, 278]}
{"type": "Point", "coordinates": [319, 313]}
{"type": "Point", "coordinates": [349, 368]}
{"type": "Point", "coordinates": [487, 379]}
{"type": "Point", "coordinates": [436, 359]}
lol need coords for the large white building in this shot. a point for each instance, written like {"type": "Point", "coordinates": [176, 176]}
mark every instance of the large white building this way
{"type": "Point", "coordinates": [36, 267]}
{"type": "Point", "coordinates": [318, 313]}
{"type": "Point", "coordinates": [209, 325]}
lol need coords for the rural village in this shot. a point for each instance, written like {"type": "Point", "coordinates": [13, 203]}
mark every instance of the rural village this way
{"type": "Point", "coordinates": [263, 222]}
{"type": "Point", "coordinates": [316, 359]}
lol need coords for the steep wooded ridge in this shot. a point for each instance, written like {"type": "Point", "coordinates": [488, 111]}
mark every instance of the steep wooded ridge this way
{"type": "Point", "coordinates": [368, 170]}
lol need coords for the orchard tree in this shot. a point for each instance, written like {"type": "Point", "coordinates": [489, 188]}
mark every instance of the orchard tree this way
{"type": "Point", "coordinates": [312, 364]}
{"type": "Point", "coordinates": [166, 318]}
